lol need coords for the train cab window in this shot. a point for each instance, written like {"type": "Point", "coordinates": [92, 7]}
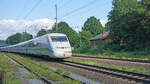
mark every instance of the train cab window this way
{"type": "Point", "coordinates": [59, 38]}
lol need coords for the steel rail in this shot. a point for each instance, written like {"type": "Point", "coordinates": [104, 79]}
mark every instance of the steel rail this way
{"type": "Point", "coordinates": [138, 77]}
{"type": "Point", "coordinates": [140, 61]}
{"type": "Point", "coordinates": [44, 79]}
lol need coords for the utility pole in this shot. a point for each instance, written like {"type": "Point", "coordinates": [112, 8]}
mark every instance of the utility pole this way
{"type": "Point", "coordinates": [56, 17]}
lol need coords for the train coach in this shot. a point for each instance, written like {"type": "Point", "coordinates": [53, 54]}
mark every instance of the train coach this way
{"type": "Point", "coordinates": [54, 45]}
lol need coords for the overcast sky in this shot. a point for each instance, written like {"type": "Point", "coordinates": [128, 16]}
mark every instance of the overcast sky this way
{"type": "Point", "coordinates": [16, 15]}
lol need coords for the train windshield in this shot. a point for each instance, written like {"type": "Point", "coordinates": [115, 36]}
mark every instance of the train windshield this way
{"type": "Point", "coordinates": [59, 38]}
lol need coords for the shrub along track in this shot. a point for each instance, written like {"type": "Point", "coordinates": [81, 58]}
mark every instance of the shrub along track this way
{"type": "Point", "coordinates": [46, 81]}
{"type": "Point", "coordinates": [143, 78]}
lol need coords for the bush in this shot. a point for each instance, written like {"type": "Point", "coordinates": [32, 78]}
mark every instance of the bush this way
{"type": "Point", "coordinates": [81, 50]}
{"type": "Point", "coordinates": [66, 73]}
{"type": "Point", "coordinates": [55, 77]}
{"type": "Point", "coordinates": [100, 49]}
{"type": "Point", "coordinates": [71, 82]}
{"type": "Point", "coordinates": [60, 70]}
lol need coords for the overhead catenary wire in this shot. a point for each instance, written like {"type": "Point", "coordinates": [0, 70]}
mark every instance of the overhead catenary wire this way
{"type": "Point", "coordinates": [23, 8]}
{"type": "Point", "coordinates": [92, 9]}
{"type": "Point", "coordinates": [49, 2]}
{"type": "Point", "coordinates": [80, 8]}
{"type": "Point", "coordinates": [65, 4]}
{"type": "Point", "coordinates": [32, 9]}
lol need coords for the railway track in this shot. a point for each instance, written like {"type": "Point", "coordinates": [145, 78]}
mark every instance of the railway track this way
{"type": "Point", "coordinates": [138, 77]}
{"type": "Point", "coordinates": [44, 79]}
{"type": "Point", "coordinates": [140, 61]}
{"type": "Point", "coordinates": [131, 76]}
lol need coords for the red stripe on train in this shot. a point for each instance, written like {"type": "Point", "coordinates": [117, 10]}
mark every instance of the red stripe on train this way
{"type": "Point", "coordinates": [67, 51]}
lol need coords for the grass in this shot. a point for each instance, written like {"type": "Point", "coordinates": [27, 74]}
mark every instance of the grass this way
{"type": "Point", "coordinates": [32, 76]}
{"type": "Point", "coordinates": [45, 71]}
{"type": "Point", "coordinates": [62, 72]}
{"type": "Point", "coordinates": [11, 78]}
{"type": "Point", "coordinates": [125, 68]}
{"type": "Point", "coordinates": [118, 55]}
{"type": "Point", "coordinates": [66, 73]}
{"type": "Point", "coordinates": [71, 82]}
{"type": "Point", "coordinates": [9, 69]}
{"type": "Point", "coordinates": [143, 55]}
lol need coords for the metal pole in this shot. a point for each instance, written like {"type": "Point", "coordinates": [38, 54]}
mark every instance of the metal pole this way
{"type": "Point", "coordinates": [56, 17]}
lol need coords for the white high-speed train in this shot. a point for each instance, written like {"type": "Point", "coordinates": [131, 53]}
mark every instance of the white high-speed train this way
{"type": "Point", "coordinates": [54, 45]}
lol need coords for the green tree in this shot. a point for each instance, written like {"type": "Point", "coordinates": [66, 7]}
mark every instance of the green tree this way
{"type": "Point", "coordinates": [18, 37]}
{"type": "Point", "coordinates": [85, 38]}
{"type": "Point", "coordinates": [14, 39]}
{"type": "Point", "coordinates": [127, 23]}
{"type": "Point", "coordinates": [146, 3]}
{"type": "Point", "coordinates": [93, 25]}
{"type": "Point", "coordinates": [26, 36]}
{"type": "Point", "coordinates": [41, 32]}
{"type": "Point", "coordinates": [64, 28]}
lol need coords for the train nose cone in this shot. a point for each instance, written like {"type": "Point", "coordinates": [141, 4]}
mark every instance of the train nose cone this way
{"type": "Point", "coordinates": [63, 54]}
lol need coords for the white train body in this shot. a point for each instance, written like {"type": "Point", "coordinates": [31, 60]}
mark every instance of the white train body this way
{"type": "Point", "coordinates": [54, 45]}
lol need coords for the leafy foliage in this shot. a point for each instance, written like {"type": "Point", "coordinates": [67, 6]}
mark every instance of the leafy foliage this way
{"type": "Point", "coordinates": [26, 36]}
{"type": "Point", "coordinates": [93, 25]}
{"type": "Point", "coordinates": [41, 32]}
{"type": "Point", "coordinates": [18, 37]}
{"type": "Point", "coordinates": [14, 39]}
{"type": "Point", "coordinates": [85, 38]}
{"type": "Point", "coordinates": [129, 22]}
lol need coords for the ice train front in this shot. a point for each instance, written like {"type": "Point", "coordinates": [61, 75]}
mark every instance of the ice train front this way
{"type": "Point", "coordinates": [61, 46]}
